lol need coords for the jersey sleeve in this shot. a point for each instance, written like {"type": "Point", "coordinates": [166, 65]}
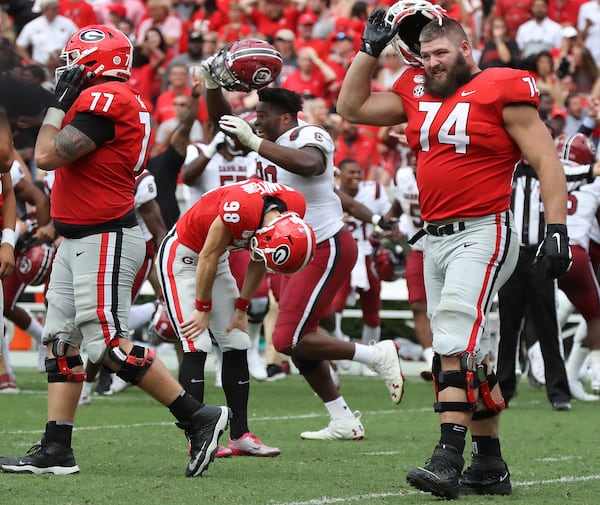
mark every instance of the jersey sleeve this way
{"type": "Point", "coordinates": [145, 189]}
{"type": "Point", "coordinates": [16, 173]}
{"type": "Point", "coordinates": [310, 135]}
{"type": "Point", "coordinates": [191, 153]}
{"type": "Point", "coordinates": [506, 86]}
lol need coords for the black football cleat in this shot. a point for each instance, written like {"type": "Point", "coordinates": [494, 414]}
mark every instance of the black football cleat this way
{"type": "Point", "coordinates": [487, 475]}
{"type": "Point", "coordinates": [46, 457]}
{"type": "Point", "coordinates": [440, 475]}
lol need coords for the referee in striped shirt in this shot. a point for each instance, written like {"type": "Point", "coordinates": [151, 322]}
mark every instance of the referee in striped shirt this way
{"type": "Point", "coordinates": [530, 292]}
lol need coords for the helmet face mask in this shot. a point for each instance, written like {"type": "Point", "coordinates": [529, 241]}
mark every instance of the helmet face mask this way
{"type": "Point", "coordinates": [103, 50]}
{"type": "Point", "coordinates": [411, 17]}
{"type": "Point", "coordinates": [286, 245]}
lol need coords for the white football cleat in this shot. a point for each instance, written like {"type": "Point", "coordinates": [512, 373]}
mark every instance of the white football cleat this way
{"type": "Point", "coordinates": [386, 364]}
{"type": "Point", "coordinates": [256, 365]}
{"type": "Point", "coordinates": [579, 393]}
{"type": "Point", "coordinates": [339, 428]}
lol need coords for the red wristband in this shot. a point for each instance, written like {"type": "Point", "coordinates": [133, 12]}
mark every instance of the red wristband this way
{"type": "Point", "coordinates": [242, 304]}
{"type": "Point", "coordinates": [204, 305]}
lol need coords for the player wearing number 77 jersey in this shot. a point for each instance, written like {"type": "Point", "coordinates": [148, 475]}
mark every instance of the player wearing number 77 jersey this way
{"type": "Point", "coordinates": [95, 140]}
{"type": "Point", "coordinates": [468, 128]}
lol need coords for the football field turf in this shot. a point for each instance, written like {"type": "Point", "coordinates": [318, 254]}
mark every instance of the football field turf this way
{"type": "Point", "coordinates": [130, 452]}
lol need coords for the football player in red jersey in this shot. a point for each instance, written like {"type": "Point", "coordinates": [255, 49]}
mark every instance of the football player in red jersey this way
{"type": "Point", "coordinates": [193, 264]}
{"type": "Point", "coordinates": [95, 140]}
{"type": "Point", "coordinates": [469, 128]}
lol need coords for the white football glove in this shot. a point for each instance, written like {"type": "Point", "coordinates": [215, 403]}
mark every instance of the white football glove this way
{"type": "Point", "coordinates": [209, 81]}
{"type": "Point", "coordinates": [242, 130]}
{"type": "Point", "coordinates": [209, 150]}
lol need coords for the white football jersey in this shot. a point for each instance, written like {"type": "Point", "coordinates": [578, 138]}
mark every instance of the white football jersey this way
{"type": "Point", "coordinates": [405, 190]}
{"type": "Point", "coordinates": [17, 174]}
{"type": "Point", "coordinates": [323, 207]}
{"type": "Point", "coordinates": [373, 196]}
{"type": "Point", "coordinates": [218, 172]}
{"type": "Point", "coordinates": [145, 191]}
{"type": "Point", "coordinates": [581, 215]}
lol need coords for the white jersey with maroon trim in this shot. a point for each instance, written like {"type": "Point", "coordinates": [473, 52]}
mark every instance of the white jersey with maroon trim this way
{"type": "Point", "coordinates": [219, 171]}
{"type": "Point", "coordinates": [582, 207]}
{"type": "Point", "coordinates": [145, 191]}
{"type": "Point", "coordinates": [407, 193]}
{"type": "Point", "coordinates": [323, 207]}
{"type": "Point", "coordinates": [373, 196]}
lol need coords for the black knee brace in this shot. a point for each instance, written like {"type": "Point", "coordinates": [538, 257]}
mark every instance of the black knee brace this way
{"type": "Point", "coordinates": [60, 368]}
{"type": "Point", "coordinates": [462, 379]}
{"type": "Point", "coordinates": [257, 309]}
{"type": "Point", "coordinates": [133, 365]}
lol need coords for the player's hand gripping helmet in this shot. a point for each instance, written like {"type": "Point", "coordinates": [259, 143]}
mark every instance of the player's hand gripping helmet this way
{"type": "Point", "coordinates": [34, 263]}
{"type": "Point", "coordinates": [576, 148]}
{"type": "Point", "coordinates": [160, 328]}
{"type": "Point", "coordinates": [411, 16]}
{"type": "Point", "coordinates": [389, 264]}
{"type": "Point", "coordinates": [244, 65]}
{"type": "Point", "coordinates": [103, 50]}
{"type": "Point", "coordinates": [286, 244]}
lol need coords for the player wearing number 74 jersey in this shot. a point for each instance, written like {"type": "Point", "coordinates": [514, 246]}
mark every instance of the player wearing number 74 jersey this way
{"type": "Point", "coordinates": [468, 128]}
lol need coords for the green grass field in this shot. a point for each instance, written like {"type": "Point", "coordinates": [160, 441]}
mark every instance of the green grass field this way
{"type": "Point", "coordinates": [130, 452]}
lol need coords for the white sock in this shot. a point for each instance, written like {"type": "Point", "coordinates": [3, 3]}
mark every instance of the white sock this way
{"type": "Point", "coordinates": [363, 353]}
{"type": "Point", "coordinates": [139, 315]}
{"type": "Point", "coordinates": [35, 329]}
{"type": "Point", "coordinates": [338, 408]}
{"type": "Point", "coordinates": [254, 332]}
{"type": "Point", "coordinates": [370, 334]}
{"type": "Point", "coordinates": [337, 332]}
{"type": "Point", "coordinates": [86, 389]}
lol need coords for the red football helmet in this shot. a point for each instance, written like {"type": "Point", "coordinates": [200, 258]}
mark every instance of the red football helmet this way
{"type": "Point", "coordinates": [104, 50]}
{"type": "Point", "coordinates": [389, 264]}
{"type": "Point", "coordinates": [244, 65]}
{"type": "Point", "coordinates": [412, 16]}
{"type": "Point", "coordinates": [286, 245]}
{"type": "Point", "coordinates": [160, 328]}
{"type": "Point", "coordinates": [576, 148]}
{"type": "Point", "coordinates": [33, 265]}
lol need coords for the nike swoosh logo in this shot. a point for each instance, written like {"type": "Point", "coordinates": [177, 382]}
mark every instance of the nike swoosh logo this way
{"type": "Point", "coordinates": [255, 448]}
{"type": "Point", "coordinates": [504, 477]}
{"type": "Point", "coordinates": [468, 244]}
{"type": "Point", "coordinates": [241, 383]}
{"type": "Point", "coordinates": [79, 253]}
{"type": "Point", "coordinates": [196, 381]}
{"type": "Point", "coordinates": [194, 463]}
{"type": "Point", "coordinates": [467, 93]}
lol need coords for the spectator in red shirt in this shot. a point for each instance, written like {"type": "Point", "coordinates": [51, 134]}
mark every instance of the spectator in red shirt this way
{"type": "Point", "coordinates": [362, 147]}
{"type": "Point", "coordinates": [159, 12]}
{"type": "Point", "coordinates": [236, 28]}
{"type": "Point", "coordinates": [80, 12]}
{"type": "Point", "coordinates": [208, 18]}
{"type": "Point", "coordinates": [515, 12]}
{"type": "Point", "coordinates": [312, 77]}
{"type": "Point", "coordinates": [272, 16]}
{"type": "Point", "coordinates": [564, 12]}
{"type": "Point", "coordinates": [305, 38]}
{"type": "Point", "coordinates": [178, 85]}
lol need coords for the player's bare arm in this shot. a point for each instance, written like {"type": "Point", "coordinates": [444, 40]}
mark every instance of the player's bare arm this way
{"type": "Point", "coordinates": [150, 212]}
{"type": "Point", "coordinates": [354, 208]}
{"type": "Point", "coordinates": [194, 169]}
{"type": "Point", "coordinates": [358, 104]}
{"type": "Point", "coordinates": [6, 144]}
{"type": "Point", "coordinates": [523, 124]}
{"type": "Point", "coordinates": [55, 148]}
{"type": "Point", "coordinates": [307, 161]}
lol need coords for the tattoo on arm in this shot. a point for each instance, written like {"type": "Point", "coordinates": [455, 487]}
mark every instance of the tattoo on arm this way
{"type": "Point", "coordinates": [70, 144]}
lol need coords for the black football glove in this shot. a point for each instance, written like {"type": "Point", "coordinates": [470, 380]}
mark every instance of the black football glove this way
{"type": "Point", "coordinates": [554, 253]}
{"type": "Point", "coordinates": [377, 33]}
{"type": "Point", "coordinates": [69, 85]}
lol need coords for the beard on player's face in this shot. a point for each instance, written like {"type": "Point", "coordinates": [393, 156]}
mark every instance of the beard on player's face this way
{"type": "Point", "coordinates": [456, 76]}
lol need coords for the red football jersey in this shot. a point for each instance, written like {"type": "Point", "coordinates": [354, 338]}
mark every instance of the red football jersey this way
{"type": "Point", "coordinates": [99, 187]}
{"type": "Point", "coordinates": [465, 157]}
{"type": "Point", "coordinates": [240, 206]}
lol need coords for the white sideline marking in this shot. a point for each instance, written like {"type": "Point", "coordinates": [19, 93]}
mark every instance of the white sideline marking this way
{"type": "Point", "coordinates": [357, 498]}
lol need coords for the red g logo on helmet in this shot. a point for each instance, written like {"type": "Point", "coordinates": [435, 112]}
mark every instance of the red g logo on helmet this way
{"type": "Point", "coordinates": [576, 148]}
{"type": "Point", "coordinates": [102, 49]}
{"type": "Point", "coordinates": [33, 265]}
{"type": "Point", "coordinates": [244, 65]}
{"type": "Point", "coordinates": [286, 245]}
